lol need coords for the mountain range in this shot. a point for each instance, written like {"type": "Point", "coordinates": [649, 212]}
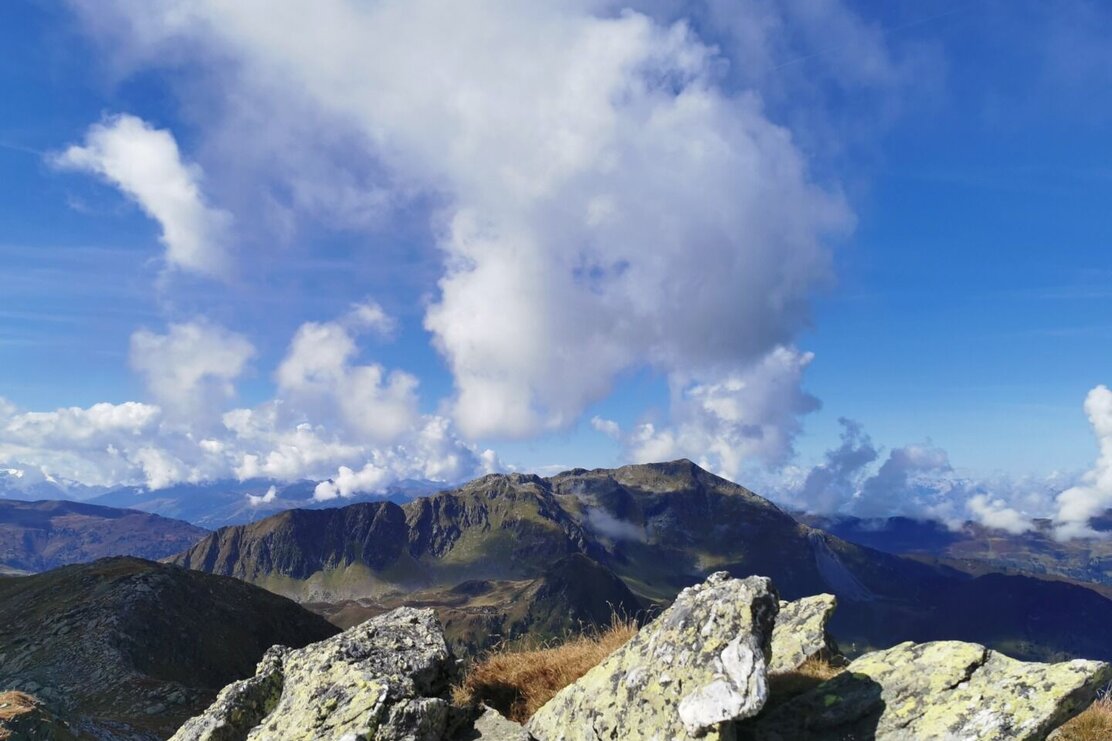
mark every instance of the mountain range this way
{"type": "Point", "coordinates": [657, 528]}
{"type": "Point", "coordinates": [38, 536]}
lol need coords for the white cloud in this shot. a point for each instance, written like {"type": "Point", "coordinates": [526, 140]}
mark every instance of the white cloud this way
{"type": "Point", "coordinates": [319, 378]}
{"type": "Point", "coordinates": [190, 370]}
{"type": "Point", "coordinates": [145, 164]}
{"type": "Point", "coordinates": [996, 514]}
{"type": "Point", "coordinates": [603, 202]}
{"type": "Point", "coordinates": [735, 419]}
{"type": "Point", "coordinates": [256, 500]}
{"type": "Point", "coordinates": [1093, 494]}
{"type": "Point", "coordinates": [607, 427]}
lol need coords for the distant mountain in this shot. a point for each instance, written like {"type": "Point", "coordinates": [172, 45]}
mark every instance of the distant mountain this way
{"type": "Point", "coordinates": [29, 483]}
{"type": "Point", "coordinates": [129, 649]}
{"type": "Point", "coordinates": [978, 549]}
{"type": "Point", "coordinates": [38, 536]}
{"type": "Point", "coordinates": [659, 528]}
{"type": "Point", "coordinates": [216, 504]}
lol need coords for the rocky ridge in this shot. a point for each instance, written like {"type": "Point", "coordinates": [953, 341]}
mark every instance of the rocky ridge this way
{"type": "Point", "coordinates": [700, 670]}
{"type": "Point", "coordinates": [128, 649]}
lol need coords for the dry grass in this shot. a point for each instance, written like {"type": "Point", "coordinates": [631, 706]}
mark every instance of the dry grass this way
{"type": "Point", "coordinates": [12, 705]}
{"type": "Point", "coordinates": [518, 683]}
{"type": "Point", "coordinates": [1094, 724]}
{"type": "Point", "coordinates": [786, 685]}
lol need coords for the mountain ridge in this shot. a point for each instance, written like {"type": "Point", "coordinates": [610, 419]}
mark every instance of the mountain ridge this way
{"type": "Point", "coordinates": [658, 527]}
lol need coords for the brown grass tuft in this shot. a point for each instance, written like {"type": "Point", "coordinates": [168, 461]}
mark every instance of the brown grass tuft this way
{"type": "Point", "coordinates": [1093, 724]}
{"type": "Point", "coordinates": [518, 683]}
{"type": "Point", "coordinates": [784, 686]}
{"type": "Point", "coordinates": [12, 705]}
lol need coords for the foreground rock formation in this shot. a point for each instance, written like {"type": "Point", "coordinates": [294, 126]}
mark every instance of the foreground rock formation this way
{"type": "Point", "coordinates": [702, 662]}
{"type": "Point", "coordinates": [944, 689]}
{"type": "Point", "coordinates": [801, 634]}
{"type": "Point", "coordinates": [700, 670]}
{"type": "Point", "coordinates": [385, 679]}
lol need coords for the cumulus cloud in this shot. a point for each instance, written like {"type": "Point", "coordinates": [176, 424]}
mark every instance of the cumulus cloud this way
{"type": "Point", "coordinates": [833, 482]}
{"type": "Point", "coordinates": [145, 164]}
{"type": "Point", "coordinates": [603, 203]}
{"type": "Point", "coordinates": [1077, 505]}
{"type": "Point", "coordinates": [916, 481]}
{"type": "Point", "coordinates": [734, 419]}
{"type": "Point", "coordinates": [320, 378]}
{"type": "Point", "coordinates": [192, 368]}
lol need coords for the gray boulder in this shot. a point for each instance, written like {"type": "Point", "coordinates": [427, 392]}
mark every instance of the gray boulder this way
{"type": "Point", "coordinates": [800, 633]}
{"type": "Point", "coordinates": [942, 690]}
{"type": "Point", "coordinates": [386, 679]}
{"type": "Point", "coordinates": [701, 663]}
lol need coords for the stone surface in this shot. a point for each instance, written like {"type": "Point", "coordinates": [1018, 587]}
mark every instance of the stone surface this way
{"type": "Point", "coordinates": [493, 726]}
{"type": "Point", "coordinates": [800, 633]}
{"type": "Point", "coordinates": [385, 679]}
{"type": "Point", "coordinates": [939, 690]}
{"type": "Point", "coordinates": [701, 663]}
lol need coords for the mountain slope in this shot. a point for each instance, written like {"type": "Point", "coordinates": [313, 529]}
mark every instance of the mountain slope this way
{"type": "Point", "coordinates": [130, 648]}
{"type": "Point", "coordinates": [37, 536]}
{"type": "Point", "coordinates": [659, 527]}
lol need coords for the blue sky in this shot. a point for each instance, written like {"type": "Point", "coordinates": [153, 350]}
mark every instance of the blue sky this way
{"type": "Point", "coordinates": [934, 215]}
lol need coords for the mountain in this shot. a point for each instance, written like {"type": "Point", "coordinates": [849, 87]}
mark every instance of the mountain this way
{"type": "Point", "coordinates": [38, 536]}
{"type": "Point", "coordinates": [572, 594]}
{"type": "Point", "coordinates": [128, 649]}
{"type": "Point", "coordinates": [657, 527]}
{"type": "Point", "coordinates": [978, 549]}
{"type": "Point", "coordinates": [214, 504]}
{"type": "Point", "coordinates": [29, 483]}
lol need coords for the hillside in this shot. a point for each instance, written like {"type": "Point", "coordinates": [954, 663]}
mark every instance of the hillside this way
{"type": "Point", "coordinates": [131, 648]}
{"type": "Point", "coordinates": [38, 536]}
{"type": "Point", "coordinates": [659, 527]}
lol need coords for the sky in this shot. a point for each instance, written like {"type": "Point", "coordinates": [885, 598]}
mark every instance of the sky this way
{"type": "Point", "coordinates": [853, 255]}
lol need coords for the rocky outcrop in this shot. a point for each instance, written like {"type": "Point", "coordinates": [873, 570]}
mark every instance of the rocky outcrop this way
{"type": "Point", "coordinates": [702, 663]}
{"type": "Point", "coordinates": [800, 634]}
{"type": "Point", "coordinates": [945, 689]}
{"type": "Point", "coordinates": [385, 679]}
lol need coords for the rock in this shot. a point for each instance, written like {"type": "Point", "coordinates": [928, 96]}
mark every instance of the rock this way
{"type": "Point", "coordinates": [386, 679]}
{"type": "Point", "coordinates": [800, 633]}
{"type": "Point", "coordinates": [702, 662]}
{"type": "Point", "coordinates": [493, 726]}
{"type": "Point", "coordinates": [945, 689]}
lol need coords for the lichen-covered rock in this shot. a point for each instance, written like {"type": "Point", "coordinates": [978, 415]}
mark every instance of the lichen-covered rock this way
{"type": "Point", "coordinates": [701, 663]}
{"type": "Point", "coordinates": [385, 680]}
{"type": "Point", "coordinates": [493, 726]}
{"type": "Point", "coordinates": [800, 633]}
{"type": "Point", "coordinates": [940, 690]}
